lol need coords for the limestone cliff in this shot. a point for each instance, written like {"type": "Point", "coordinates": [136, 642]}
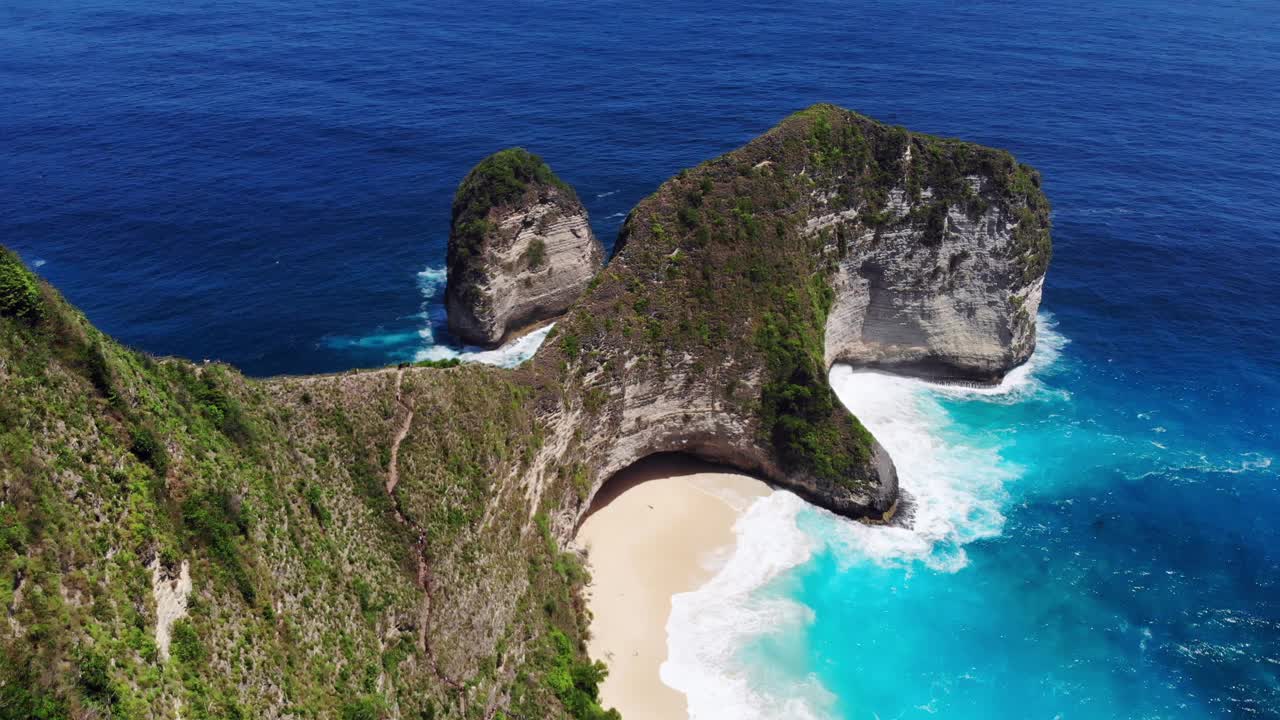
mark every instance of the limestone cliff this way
{"type": "Point", "coordinates": [738, 283]}
{"type": "Point", "coordinates": [938, 273]}
{"type": "Point", "coordinates": [520, 248]}
{"type": "Point", "coordinates": [177, 540]}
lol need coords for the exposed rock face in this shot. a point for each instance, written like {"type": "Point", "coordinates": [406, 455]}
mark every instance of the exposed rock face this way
{"type": "Point", "coordinates": [170, 592]}
{"type": "Point", "coordinates": [520, 248]}
{"type": "Point", "coordinates": [738, 283]}
{"type": "Point", "coordinates": [958, 306]}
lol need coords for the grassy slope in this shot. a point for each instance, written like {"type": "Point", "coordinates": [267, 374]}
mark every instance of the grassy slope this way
{"type": "Point", "coordinates": [307, 597]}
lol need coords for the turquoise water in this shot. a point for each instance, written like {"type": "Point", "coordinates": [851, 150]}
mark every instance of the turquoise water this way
{"type": "Point", "coordinates": [1075, 551]}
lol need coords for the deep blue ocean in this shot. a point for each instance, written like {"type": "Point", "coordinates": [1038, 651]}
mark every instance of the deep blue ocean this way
{"type": "Point", "coordinates": [269, 184]}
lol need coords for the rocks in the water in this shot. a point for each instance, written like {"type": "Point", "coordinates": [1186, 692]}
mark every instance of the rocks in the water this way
{"type": "Point", "coordinates": [520, 248]}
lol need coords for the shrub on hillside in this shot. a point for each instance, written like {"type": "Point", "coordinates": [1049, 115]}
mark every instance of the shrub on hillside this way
{"type": "Point", "coordinates": [19, 292]}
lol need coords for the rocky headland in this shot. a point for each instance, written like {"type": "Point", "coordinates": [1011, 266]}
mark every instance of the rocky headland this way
{"type": "Point", "coordinates": [738, 283]}
{"type": "Point", "coordinates": [178, 540]}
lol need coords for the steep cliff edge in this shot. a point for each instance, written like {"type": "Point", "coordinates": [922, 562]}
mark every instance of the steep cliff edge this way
{"type": "Point", "coordinates": [940, 263]}
{"type": "Point", "coordinates": [520, 248]}
{"type": "Point", "coordinates": [388, 543]}
{"type": "Point", "coordinates": [735, 286]}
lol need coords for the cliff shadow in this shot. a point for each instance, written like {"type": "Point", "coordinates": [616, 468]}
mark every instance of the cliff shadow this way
{"type": "Point", "coordinates": [653, 467]}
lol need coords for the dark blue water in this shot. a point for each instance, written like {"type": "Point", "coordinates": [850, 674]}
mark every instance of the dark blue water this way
{"type": "Point", "coordinates": [269, 184]}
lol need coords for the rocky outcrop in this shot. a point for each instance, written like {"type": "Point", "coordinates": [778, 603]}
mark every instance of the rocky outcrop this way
{"type": "Point", "coordinates": [739, 282]}
{"type": "Point", "coordinates": [170, 592]}
{"type": "Point", "coordinates": [414, 518]}
{"type": "Point", "coordinates": [520, 248]}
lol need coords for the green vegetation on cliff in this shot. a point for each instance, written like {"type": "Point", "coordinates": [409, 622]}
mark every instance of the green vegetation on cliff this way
{"type": "Point", "coordinates": [800, 413]}
{"type": "Point", "coordinates": [497, 181]}
{"type": "Point", "coordinates": [316, 593]}
{"type": "Point", "coordinates": [19, 294]}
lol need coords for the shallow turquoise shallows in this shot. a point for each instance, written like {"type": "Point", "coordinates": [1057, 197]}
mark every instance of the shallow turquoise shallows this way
{"type": "Point", "coordinates": [1074, 550]}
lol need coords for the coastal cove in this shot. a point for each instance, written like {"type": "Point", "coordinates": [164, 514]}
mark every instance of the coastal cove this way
{"type": "Point", "coordinates": [719, 559]}
{"type": "Point", "coordinates": [730, 291]}
{"type": "Point", "coordinates": [567, 362]}
{"type": "Point", "coordinates": [768, 635]}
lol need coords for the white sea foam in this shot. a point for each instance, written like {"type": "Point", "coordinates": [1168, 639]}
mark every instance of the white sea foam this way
{"type": "Point", "coordinates": [957, 489]}
{"type": "Point", "coordinates": [708, 628]}
{"type": "Point", "coordinates": [509, 355]}
{"type": "Point", "coordinates": [431, 283]}
{"type": "Point", "coordinates": [606, 194]}
{"type": "Point", "coordinates": [1024, 380]}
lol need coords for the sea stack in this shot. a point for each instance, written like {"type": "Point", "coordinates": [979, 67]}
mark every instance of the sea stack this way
{"type": "Point", "coordinates": [521, 248]}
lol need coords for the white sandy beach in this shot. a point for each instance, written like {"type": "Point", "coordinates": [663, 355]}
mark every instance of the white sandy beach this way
{"type": "Point", "coordinates": [661, 527]}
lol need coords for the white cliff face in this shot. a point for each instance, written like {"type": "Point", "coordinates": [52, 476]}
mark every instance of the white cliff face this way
{"type": "Point", "coordinates": [536, 260]}
{"type": "Point", "coordinates": [955, 308]}
{"type": "Point", "coordinates": [170, 592]}
{"type": "Point", "coordinates": [669, 413]}
{"type": "Point", "coordinates": [644, 409]}
{"type": "Point", "coordinates": [737, 284]}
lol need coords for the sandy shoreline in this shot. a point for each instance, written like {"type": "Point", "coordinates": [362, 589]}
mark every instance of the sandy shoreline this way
{"type": "Point", "coordinates": [661, 527]}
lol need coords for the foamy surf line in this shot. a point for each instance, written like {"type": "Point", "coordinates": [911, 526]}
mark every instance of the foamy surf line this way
{"type": "Point", "coordinates": [958, 489]}
{"type": "Point", "coordinates": [708, 628]}
{"type": "Point", "coordinates": [431, 283]}
{"type": "Point", "coordinates": [509, 355]}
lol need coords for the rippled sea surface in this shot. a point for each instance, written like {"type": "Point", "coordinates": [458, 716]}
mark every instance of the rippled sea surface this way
{"type": "Point", "coordinates": [269, 184]}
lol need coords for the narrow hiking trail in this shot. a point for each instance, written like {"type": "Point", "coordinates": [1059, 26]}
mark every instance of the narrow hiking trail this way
{"type": "Point", "coordinates": [424, 566]}
{"type": "Point", "coordinates": [393, 468]}
{"type": "Point", "coordinates": [420, 544]}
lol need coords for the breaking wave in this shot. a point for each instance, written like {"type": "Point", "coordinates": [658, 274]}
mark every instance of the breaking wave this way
{"type": "Point", "coordinates": [431, 283]}
{"type": "Point", "coordinates": [957, 490]}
